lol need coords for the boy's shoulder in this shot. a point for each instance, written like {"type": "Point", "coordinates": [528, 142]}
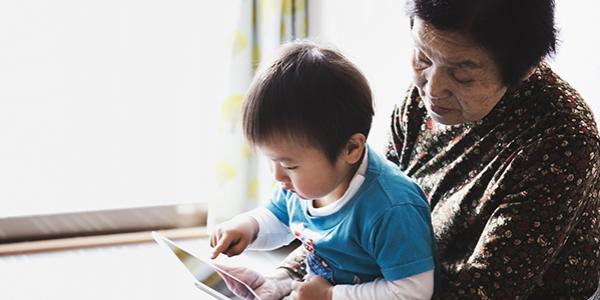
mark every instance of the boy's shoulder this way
{"type": "Point", "coordinates": [388, 199]}
{"type": "Point", "coordinates": [387, 186]}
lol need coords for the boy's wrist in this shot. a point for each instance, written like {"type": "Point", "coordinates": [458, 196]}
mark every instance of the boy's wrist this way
{"type": "Point", "coordinates": [253, 224]}
{"type": "Point", "coordinates": [249, 225]}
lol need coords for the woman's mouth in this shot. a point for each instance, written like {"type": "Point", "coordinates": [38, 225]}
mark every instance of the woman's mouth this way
{"type": "Point", "coordinates": [440, 110]}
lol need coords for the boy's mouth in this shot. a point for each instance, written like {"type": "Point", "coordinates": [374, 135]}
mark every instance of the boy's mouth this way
{"type": "Point", "coordinates": [291, 189]}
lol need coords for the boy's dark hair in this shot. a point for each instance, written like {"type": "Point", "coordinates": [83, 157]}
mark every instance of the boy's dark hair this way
{"type": "Point", "coordinates": [518, 34]}
{"type": "Point", "coordinates": [311, 94]}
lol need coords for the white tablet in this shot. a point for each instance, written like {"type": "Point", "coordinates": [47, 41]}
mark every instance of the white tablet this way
{"type": "Point", "coordinates": [208, 277]}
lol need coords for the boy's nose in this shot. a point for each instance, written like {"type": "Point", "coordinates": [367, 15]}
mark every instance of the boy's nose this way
{"type": "Point", "coordinates": [279, 173]}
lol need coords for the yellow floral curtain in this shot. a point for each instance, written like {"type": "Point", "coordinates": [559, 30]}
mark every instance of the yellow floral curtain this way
{"type": "Point", "coordinates": [243, 177]}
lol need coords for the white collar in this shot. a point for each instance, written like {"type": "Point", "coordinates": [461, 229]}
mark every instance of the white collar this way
{"type": "Point", "coordinates": [355, 183]}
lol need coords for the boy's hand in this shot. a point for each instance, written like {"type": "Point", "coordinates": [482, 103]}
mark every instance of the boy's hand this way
{"type": "Point", "coordinates": [313, 288]}
{"type": "Point", "coordinates": [233, 236]}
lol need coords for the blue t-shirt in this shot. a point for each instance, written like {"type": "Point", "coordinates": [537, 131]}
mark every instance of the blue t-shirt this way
{"type": "Point", "coordinates": [383, 231]}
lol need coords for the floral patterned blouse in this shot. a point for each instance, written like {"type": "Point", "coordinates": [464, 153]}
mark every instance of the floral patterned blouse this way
{"type": "Point", "coordinates": [514, 196]}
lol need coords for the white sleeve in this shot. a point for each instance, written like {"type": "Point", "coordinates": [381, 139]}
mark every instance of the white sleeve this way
{"type": "Point", "coordinates": [418, 286]}
{"type": "Point", "coordinates": [272, 234]}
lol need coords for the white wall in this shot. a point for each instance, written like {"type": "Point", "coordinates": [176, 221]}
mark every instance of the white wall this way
{"type": "Point", "coordinates": [109, 103]}
{"type": "Point", "coordinates": [578, 57]}
{"type": "Point", "coordinates": [374, 35]}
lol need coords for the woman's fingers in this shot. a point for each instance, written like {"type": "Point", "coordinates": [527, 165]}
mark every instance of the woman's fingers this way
{"type": "Point", "coordinates": [296, 284]}
{"type": "Point", "coordinates": [292, 296]}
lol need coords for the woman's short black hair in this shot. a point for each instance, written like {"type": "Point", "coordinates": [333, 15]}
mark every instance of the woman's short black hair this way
{"type": "Point", "coordinates": [311, 94]}
{"type": "Point", "coordinates": [518, 33]}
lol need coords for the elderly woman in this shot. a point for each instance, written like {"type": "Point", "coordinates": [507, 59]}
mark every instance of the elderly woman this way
{"type": "Point", "coordinates": [506, 151]}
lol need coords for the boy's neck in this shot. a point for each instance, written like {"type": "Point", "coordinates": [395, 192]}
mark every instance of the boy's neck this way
{"type": "Point", "coordinates": [341, 189]}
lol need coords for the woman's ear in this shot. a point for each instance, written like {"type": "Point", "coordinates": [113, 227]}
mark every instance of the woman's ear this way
{"type": "Point", "coordinates": [354, 148]}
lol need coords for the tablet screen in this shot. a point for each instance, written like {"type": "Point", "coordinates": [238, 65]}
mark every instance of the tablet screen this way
{"type": "Point", "coordinates": [209, 277]}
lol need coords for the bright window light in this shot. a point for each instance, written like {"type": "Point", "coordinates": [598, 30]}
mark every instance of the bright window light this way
{"type": "Point", "coordinates": [107, 104]}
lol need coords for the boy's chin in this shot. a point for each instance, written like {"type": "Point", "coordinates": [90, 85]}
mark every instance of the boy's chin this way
{"type": "Point", "coordinates": [301, 196]}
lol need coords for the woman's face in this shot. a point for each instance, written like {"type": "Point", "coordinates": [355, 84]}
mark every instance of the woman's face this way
{"type": "Point", "coordinates": [457, 80]}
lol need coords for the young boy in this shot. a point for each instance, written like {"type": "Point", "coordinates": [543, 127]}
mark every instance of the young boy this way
{"type": "Point", "coordinates": [365, 224]}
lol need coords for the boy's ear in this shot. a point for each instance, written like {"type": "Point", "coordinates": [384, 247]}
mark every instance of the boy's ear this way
{"type": "Point", "coordinates": [354, 148]}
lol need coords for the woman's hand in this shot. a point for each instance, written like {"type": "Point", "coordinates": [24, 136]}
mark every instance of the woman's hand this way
{"type": "Point", "coordinates": [267, 288]}
{"type": "Point", "coordinates": [313, 288]}
{"type": "Point", "coordinates": [233, 236]}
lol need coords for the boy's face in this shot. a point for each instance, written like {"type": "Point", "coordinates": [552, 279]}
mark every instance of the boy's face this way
{"type": "Point", "coordinates": [305, 170]}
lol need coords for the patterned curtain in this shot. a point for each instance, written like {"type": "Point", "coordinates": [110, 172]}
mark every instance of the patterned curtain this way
{"type": "Point", "coordinates": [243, 177]}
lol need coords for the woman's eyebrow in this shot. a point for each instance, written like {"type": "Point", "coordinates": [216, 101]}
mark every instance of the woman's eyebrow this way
{"type": "Point", "coordinates": [454, 62]}
{"type": "Point", "coordinates": [464, 63]}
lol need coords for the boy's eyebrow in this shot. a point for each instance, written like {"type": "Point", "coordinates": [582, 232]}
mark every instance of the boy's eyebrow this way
{"type": "Point", "coordinates": [283, 159]}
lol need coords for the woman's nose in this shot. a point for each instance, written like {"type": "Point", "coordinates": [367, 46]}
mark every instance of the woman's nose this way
{"type": "Point", "coordinates": [436, 84]}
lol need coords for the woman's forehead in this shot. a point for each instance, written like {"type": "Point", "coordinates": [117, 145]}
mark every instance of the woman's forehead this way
{"type": "Point", "coordinates": [425, 33]}
{"type": "Point", "coordinates": [451, 46]}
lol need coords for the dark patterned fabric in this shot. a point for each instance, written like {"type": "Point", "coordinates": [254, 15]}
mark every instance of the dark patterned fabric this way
{"type": "Point", "coordinates": [514, 196]}
{"type": "Point", "coordinates": [596, 295]}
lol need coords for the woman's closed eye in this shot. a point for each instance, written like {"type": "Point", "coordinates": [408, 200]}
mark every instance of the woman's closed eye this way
{"type": "Point", "coordinates": [463, 80]}
{"type": "Point", "coordinates": [464, 73]}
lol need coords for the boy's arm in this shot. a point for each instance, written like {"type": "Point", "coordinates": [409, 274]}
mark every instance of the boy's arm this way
{"type": "Point", "coordinates": [419, 286]}
{"type": "Point", "coordinates": [272, 233]}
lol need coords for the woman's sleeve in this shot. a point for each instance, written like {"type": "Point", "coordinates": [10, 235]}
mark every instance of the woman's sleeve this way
{"type": "Point", "coordinates": [545, 189]}
{"type": "Point", "coordinates": [295, 263]}
{"type": "Point", "coordinates": [396, 131]}
{"type": "Point", "coordinates": [395, 137]}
